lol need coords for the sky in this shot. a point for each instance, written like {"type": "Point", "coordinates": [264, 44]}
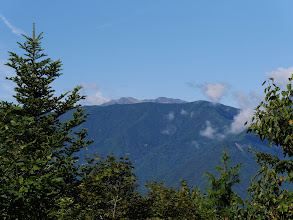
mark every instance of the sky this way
{"type": "Point", "coordinates": [219, 51]}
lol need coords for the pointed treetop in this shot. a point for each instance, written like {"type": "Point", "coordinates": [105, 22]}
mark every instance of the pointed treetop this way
{"type": "Point", "coordinates": [34, 38]}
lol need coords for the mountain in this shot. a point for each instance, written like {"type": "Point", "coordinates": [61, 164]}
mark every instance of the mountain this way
{"type": "Point", "coordinates": [130, 100]}
{"type": "Point", "coordinates": [171, 141]}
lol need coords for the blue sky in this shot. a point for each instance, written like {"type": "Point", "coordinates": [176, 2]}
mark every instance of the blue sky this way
{"type": "Point", "coordinates": [212, 50]}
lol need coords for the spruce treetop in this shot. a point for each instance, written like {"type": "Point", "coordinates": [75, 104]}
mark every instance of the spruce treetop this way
{"type": "Point", "coordinates": [34, 74]}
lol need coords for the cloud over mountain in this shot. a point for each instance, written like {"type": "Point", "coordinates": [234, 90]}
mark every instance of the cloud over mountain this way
{"type": "Point", "coordinates": [96, 98]}
{"type": "Point", "coordinates": [208, 132]}
{"type": "Point", "coordinates": [212, 91]}
{"type": "Point", "coordinates": [211, 132]}
{"type": "Point", "coordinates": [280, 75]}
{"type": "Point", "coordinates": [183, 112]}
{"type": "Point", "coordinates": [247, 104]}
{"type": "Point", "coordinates": [89, 86]}
{"type": "Point", "coordinates": [171, 116]}
{"type": "Point", "coordinates": [171, 129]}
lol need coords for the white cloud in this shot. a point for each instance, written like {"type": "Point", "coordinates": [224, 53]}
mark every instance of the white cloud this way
{"type": "Point", "coordinates": [237, 125]}
{"type": "Point", "coordinates": [256, 96]}
{"type": "Point", "coordinates": [171, 129]}
{"type": "Point", "coordinates": [243, 100]}
{"type": "Point", "coordinates": [183, 112]}
{"type": "Point", "coordinates": [246, 104]}
{"type": "Point", "coordinates": [281, 76]}
{"type": "Point", "coordinates": [195, 144]}
{"type": "Point", "coordinates": [208, 132]}
{"type": "Point", "coordinates": [96, 99]}
{"type": "Point", "coordinates": [89, 86]}
{"type": "Point", "coordinates": [171, 116]}
{"type": "Point", "coordinates": [14, 30]}
{"type": "Point", "coordinates": [215, 91]}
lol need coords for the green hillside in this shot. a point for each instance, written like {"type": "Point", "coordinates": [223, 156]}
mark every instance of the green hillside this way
{"type": "Point", "coordinates": [164, 140]}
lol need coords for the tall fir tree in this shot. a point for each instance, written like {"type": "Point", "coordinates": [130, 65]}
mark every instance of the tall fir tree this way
{"type": "Point", "coordinates": [37, 151]}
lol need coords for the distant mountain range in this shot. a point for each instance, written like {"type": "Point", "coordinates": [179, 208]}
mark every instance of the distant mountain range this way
{"type": "Point", "coordinates": [172, 141]}
{"type": "Point", "coordinates": [130, 100]}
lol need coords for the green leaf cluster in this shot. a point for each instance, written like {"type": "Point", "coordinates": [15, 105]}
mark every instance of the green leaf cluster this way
{"type": "Point", "coordinates": [273, 117]}
{"type": "Point", "coordinates": [169, 203]}
{"type": "Point", "coordinates": [220, 197]}
{"type": "Point", "coordinates": [268, 199]}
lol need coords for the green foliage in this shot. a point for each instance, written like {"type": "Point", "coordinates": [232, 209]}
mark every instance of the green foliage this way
{"type": "Point", "coordinates": [109, 189]}
{"type": "Point", "coordinates": [273, 121]}
{"type": "Point", "coordinates": [106, 192]}
{"type": "Point", "coordinates": [221, 196]}
{"type": "Point", "coordinates": [185, 203]}
{"type": "Point", "coordinates": [267, 198]}
{"type": "Point", "coordinates": [273, 117]}
{"type": "Point", "coordinates": [169, 203]}
{"type": "Point", "coordinates": [37, 163]}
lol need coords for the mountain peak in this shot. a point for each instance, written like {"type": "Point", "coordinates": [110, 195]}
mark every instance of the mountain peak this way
{"type": "Point", "coordinates": [130, 100]}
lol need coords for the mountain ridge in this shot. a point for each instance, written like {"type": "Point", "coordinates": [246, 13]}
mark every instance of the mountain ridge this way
{"type": "Point", "coordinates": [130, 100]}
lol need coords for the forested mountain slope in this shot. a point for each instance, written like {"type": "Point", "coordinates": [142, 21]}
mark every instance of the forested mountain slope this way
{"type": "Point", "coordinates": [172, 141]}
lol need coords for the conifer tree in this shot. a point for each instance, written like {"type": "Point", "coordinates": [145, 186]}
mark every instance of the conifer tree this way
{"type": "Point", "coordinates": [37, 151]}
{"type": "Point", "coordinates": [221, 196]}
